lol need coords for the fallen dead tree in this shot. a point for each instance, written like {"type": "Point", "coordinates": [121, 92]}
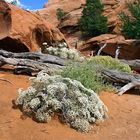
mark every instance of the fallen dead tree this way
{"type": "Point", "coordinates": [29, 62]}
{"type": "Point", "coordinates": [24, 62]}
{"type": "Point", "coordinates": [129, 80]}
{"type": "Point", "coordinates": [134, 64]}
{"type": "Point", "coordinates": [44, 58]}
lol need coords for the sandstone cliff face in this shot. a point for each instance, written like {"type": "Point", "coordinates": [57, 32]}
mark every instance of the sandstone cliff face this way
{"type": "Point", "coordinates": [112, 9]}
{"type": "Point", "coordinates": [49, 11]}
{"type": "Point", "coordinates": [130, 49]}
{"type": "Point", "coordinates": [21, 30]}
{"type": "Point", "coordinates": [69, 24]}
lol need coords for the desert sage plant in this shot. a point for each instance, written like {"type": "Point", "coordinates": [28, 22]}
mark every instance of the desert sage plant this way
{"type": "Point", "coordinates": [69, 99]}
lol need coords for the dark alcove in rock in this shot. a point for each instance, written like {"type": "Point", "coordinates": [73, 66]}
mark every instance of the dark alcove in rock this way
{"type": "Point", "coordinates": [13, 45]}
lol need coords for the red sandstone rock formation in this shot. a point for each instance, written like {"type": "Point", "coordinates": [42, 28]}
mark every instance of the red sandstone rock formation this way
{"type": "Point", "coordinates": [68, 25]}
{"type": "Point", "coordinates": [50, 8]}
{"type": "Point", "coordinates": [112, 9]}
{"type": "Point", "coordinates": [130, 48]}
{"type": "Point", "coordinates": [28, 29]}
{"type": "Point", "coordinates": [21, 30]}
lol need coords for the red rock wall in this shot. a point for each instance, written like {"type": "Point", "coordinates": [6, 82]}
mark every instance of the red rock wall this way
{"type": "Point", "coordinates": [25, 28]}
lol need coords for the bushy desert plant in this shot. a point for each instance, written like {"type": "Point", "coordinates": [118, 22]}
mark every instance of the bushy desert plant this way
{"type": "Point", "coordinates": [65, 53]}
{"type": "Point", "coordinates": [131, 22]}
{"type": "Point", "coordinates": [92, 21]}
{"type": "Point", "coordinates": [49, 95]}
{"type": "Point", "coordinates": [89, 72]}
{"type": "Point", "coordinates": [109, 63]}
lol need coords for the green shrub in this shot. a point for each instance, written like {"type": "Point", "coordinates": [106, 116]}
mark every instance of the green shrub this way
{"type": "Point", "coordinates": [14, 2]}
{"type": "Point", "coordinates": [89, 72]}
{"type": "Point", "coordinates": [60, 13]}
{"type": "Point", "coordinates": [131, 23]}
{"type": "Point", "coordinates": [92, 21]}
{"type": "Point", "coordinates": [109, 63]}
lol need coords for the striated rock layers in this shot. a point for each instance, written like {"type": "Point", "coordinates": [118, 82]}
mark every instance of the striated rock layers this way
{"type": "Point", "coordinates": [112, 9]}
{"type": "Point", "coordinates": [69, 26]}
{"type": "Point", "coordinates": [50, 8]}
{"type": "Point", "coordinates": [21, 30]}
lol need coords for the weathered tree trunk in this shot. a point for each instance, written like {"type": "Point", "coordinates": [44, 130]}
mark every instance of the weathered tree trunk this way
{"type": "Point", "coordinates": [130, 80]}
{"type": "Point", "coordinates": [44, 58]}
{"type": "Point", "coordinates": [134, 64]}
{"type": "Point", "coordinates": [24, 62]}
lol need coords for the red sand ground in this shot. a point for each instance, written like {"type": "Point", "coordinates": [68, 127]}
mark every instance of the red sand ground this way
{"type": "Point", "coordinates": [123, 122]}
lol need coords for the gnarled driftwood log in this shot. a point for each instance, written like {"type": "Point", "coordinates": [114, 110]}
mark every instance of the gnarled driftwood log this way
{"type": "Point", "coordinates": [134, 64]}
{"type": "Point", "coordinates": [44, 58]}
{"type": "Point", "coordinates": [28, 66]}
{"type": "Point", "coordinates": [129, 80]}
{"type": "Point", "coordinates": [28, 62]}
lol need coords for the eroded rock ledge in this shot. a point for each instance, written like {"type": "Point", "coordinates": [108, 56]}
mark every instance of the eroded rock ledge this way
{"type": "Point", "coordinates": [21, 30]}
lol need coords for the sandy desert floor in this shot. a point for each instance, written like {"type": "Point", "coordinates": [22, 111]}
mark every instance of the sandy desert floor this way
{"type": "Point", "coordinates": [123, 122]}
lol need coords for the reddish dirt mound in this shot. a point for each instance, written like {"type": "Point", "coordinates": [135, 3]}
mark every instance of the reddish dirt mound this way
{"type": "Point", "coordinates": [123, 122]}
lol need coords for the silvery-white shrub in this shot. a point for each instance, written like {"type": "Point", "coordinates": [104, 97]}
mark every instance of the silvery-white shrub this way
{"type": "Point", "coordinates": [65, 53]}
{"type": "Point", "coordinates": [48, 95]}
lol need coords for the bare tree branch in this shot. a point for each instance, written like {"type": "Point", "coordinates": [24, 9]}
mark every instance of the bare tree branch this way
{"type": "Point", "coordinates": [130, 80]}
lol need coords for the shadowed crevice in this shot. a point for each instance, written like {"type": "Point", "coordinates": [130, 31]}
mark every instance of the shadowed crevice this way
{"type": "Point", "coordinates": [13, 45]}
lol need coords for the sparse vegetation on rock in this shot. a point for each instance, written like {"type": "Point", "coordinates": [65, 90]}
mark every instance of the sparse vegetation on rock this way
{"type": "Point", "coordinates": [131, 22]}
{"type": "Point", "coordinates": [60, 13]}
{"type": "Point", "coordinates": [92, 21]}
{"type": "Point", "coordinates": [69, 99]}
